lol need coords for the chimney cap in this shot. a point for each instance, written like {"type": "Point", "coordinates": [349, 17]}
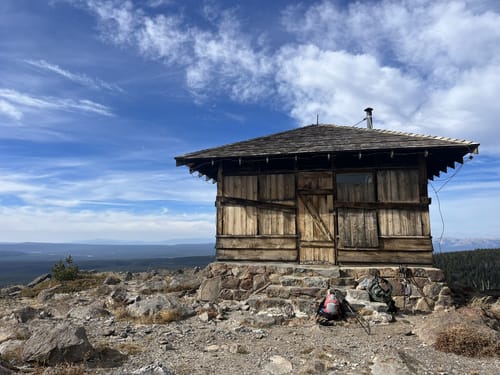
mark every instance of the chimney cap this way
{"type": "Point", "coordinates": [368, 110]}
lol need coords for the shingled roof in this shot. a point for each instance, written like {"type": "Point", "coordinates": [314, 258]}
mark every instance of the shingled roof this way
{"type": "Point", "coordinates": [317, 139]}
{"type": "Point", "coordinates": [326, 138]}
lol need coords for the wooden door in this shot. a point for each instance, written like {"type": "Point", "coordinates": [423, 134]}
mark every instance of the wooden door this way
{"type": "Point", "coordinates": [315, 219]}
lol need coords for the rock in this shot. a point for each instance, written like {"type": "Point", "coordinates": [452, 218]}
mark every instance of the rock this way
{"type": "Point", "coordinates": [62, 343]}
{"type": "Point", "coordinates": [26, 314]}
{"type": "Point", "coordinates": [93, 310]}
{"type": "Point", "coordinates": [108, 332]}
{"type": "Point", "coordinates": [40, 279]}
{"type": "Point", "coordinates": [157, 369]}
{"type": "Point", "coordinates": [357, 295]}
{"type": "Point", "coordinates": [12, 349]}
{"type": "Point", "coordinates": [210, 289]}
{"type": "Point", "coordinates": [274, 306]}
{"type": "Point", "coordinates": [11, 291]}
{"type": "Point", "coordinates": [47, 294]}
{"type": "Point", "coordinates": [435, 275]}
{"type": "Point", "coordinates": [7, 331]}
{"type": "Point", "coordinates": [445, 291]}
{"type": "Point", "coordinates": [235, 348]}
{"type": "Point", "coordinates": [392, 365]}
{"type": "Point", "coordinates": [154, 285]}
{"type": "Point", "coordinates": [379, 318]}
{"type": "Point", "coordinates": [152, 305]}
{"type": "Point", "coordinates": [259, 281]}
{"type": "Point", "coordinates": [278, 365]}
{"type": "Point", "coordinates": [5, 368]}
{"type": "Point", "coordinates": [212, 348]}
{"type": "Point", "coordinates": [433, 290]}
{"type": "Point", "coordinates": [118, 296]}
{"type": "Point", "coordinates": [263, 320]}
{"type": "Point", "coordinates": [303, 308]}
{"type": "Point", "coordinates": [316, 282]}
{"type": "Point", "coordinates": [204, 317]}
{"type": "Point", "coordinates": [112, 280]}
{"type": "Point", "coordinates": [181, 282]}
{"type": "Point", "coordinates": [290, 281]}
{"type": "Point", "coordinates": [444, 301]}
{"type": "Point", "coordinates": [424, 305]}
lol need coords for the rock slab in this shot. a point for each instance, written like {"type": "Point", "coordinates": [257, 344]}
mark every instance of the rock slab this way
{"type": "Point", "coordinates": [53, 345]}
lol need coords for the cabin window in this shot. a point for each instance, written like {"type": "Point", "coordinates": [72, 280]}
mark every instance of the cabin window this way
{"type": "Point", "coordinates": [355, 187]}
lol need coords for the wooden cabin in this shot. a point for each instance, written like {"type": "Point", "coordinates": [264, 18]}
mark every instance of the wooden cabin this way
{"type": "Point", "coordinates": [326, 194]}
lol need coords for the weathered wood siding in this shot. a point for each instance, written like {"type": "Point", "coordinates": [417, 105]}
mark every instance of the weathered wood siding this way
{"type": "Point", "coordinates": [277, 188]}
{"type": "Point", "coordinates": [258, 218]}
{"type": "Point", "coordinates": [390, 223]}
{"type": "Point", "coordinates": [357, 226]}
{"type": "Point", "coordinates": [325, 217]}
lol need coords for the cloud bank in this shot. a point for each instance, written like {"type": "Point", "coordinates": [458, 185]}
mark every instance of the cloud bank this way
{"type": "Point", "coordinates": [425, 66]}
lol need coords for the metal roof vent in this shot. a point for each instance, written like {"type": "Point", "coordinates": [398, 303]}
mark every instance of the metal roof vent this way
{"type": "Point", "coordinates": [369, 120]}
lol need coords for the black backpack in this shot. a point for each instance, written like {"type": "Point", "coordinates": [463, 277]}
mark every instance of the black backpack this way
{"type": "Point", "coordinates": [380, 290]}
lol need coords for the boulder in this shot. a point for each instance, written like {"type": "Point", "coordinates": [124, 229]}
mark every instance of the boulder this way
{"type": "Point", "coordinates": [152, 305]}
{"type": "Point", "coordinates": [424, 305]}
{"type": "Point", "coordinates": [11, 349]}
{"type": "Point", "coordinates": [7, 331]}
{"type": "Point", "coordinates": [61, 343]}
{"type": "Point", "coordinates": [181, 282]}
{"type": "Point", "coordinates": [40, 279]}
{"type": "Point", "coordinates": [5, 368]}
{"type": "Point", "coordinates": [210, 289]}
{"type": "Point", "coordinates": [87, 312]}
{"type": "Point", "coordinates": [272, 306]}
{"type": "Point", "coordinates": [278, 365]}
{"type": "Point", "coordinates": [11, 291]}
{"type": "Point", "coordinates": [112, 280]}
{"type": "Point", "coordinates": [156, 284]}
{"type": "Point", "coordinates": [118, 296]}
{"type": "Point", "coordinates": [47, 294]}
{"type": "Point", "coordinates": [26, 314]}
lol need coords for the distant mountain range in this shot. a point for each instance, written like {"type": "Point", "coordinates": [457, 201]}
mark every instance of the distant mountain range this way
{"type": "Point", "coordinates": [110, 249]}
{"type": "Point", "coordinates": [458, 244]}
{"type": "Point", "coordinates": [50, 251]}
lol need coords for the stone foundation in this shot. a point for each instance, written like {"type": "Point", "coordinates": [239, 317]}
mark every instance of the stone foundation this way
{"type": "Point", "coordinates": [302, 286]}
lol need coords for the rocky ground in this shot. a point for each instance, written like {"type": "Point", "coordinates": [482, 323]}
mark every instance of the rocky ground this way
{"type": "Point", "coordinates": [153, 323]}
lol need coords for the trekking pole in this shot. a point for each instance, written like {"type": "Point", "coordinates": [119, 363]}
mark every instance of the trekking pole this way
{"type": "Point", "coordinates": [403, 273]}
{"type": "Point", "coordinates": [362, 322]}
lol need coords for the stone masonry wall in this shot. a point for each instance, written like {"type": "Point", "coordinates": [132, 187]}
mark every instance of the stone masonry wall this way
{"type": "Point", "coordinates": [240, 281]}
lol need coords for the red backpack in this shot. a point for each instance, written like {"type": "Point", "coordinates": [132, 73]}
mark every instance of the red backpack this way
{"type": "Point", "coordinates": [331, 307]}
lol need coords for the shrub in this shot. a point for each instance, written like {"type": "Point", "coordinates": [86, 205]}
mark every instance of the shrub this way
{"type": "Point", "coordinates": [65, 271]}
{"type": "Point", "coordinates": [468, 341]}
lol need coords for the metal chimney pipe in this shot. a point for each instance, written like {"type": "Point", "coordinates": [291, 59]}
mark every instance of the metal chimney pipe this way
{"type": "Point", "coordinates": [369, 120]}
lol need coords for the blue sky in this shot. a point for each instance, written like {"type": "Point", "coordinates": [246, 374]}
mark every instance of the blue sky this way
{"type": "Point", "coordinates": [98, 96]}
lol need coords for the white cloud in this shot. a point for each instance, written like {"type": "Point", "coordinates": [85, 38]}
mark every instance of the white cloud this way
{"type": "Point", "coordinates": [242, 72]}
{"type": "Point", "coordinates": [10, 111]}
{"type": "Point", "coordinates": [59, 225]}
{"type": "Point", "coordinates": [20, 102]}
{"type": "Point", "coordinates": [425, 66]}
{"type": "Point", "coordinates": [51, 189]}
{"type": "Point", "coordinates": [338, 85]}
{"type": "Point", "coordinates": [82, 79]}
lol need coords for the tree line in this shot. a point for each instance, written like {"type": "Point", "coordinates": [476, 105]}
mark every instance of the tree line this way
{"type": "Point", "coordinates": [478, 269]}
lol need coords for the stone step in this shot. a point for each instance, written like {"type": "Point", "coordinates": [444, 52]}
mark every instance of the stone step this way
{"type": "Point", "coordinates": [299, 307]}
{"type": "Point", "coordinates": [314, 281]}
{"type": "Point", "coordinates": [312, 270]}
